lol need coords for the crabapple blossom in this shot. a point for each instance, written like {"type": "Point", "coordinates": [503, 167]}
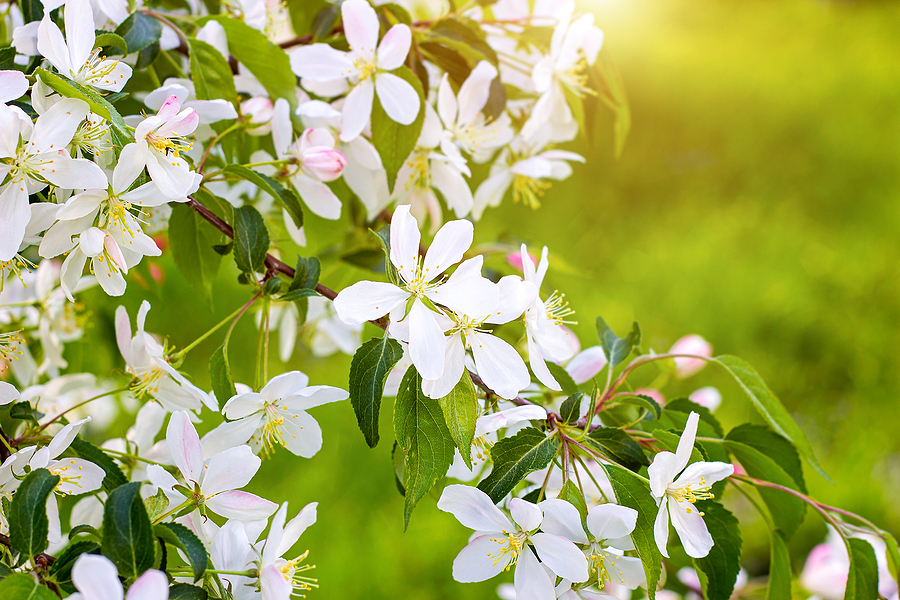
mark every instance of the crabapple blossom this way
{"type": "Point", "coordinates": [96, 578]}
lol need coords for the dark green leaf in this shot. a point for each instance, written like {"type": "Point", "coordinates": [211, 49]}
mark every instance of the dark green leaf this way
{"type": "Point", "coordinates": [772, 445]}
{"type": "Point", "coordinates": [192, 239]}
{"type": "Point", "coordinates": [461, 410]}
{"type": "Point", "coordinates": [324, 21]}
{"type": "Point", "coordinates": [616, 445]}
{"type": "Point", "coordinates": [617, 349]}
{"type": "Point", "coordinates": [284, 196]}
{"type": "Point", "coordinates": [384, 239]}
{"type": "Point", "coordinates": [21, 586]}
{"type": "Point", "coordinates": [23, 411]}
{"type": "Point", "coordinates": [398, 458]}
{"type": "Point", "coordinates": [563, 378]}
{"type": "Point", "coordinates": [210, 73]}
{"type": "Point", "coordinates": [370, 367]}
{"type": "Point", "coordinates": [127, 533]}
{"type": "Point", "coordinates": [86, 450]}
{"type": "Point", "coordinates": [687, 406]}
{"type": "Point", "coordinates": [139, 31]}
{"type": "Point", "coordinates": [769, 406]}
{"type": "Point", "coordinates": [147, 56]}
{"type": "Point", "coordinates": [718, 570]}
{"type": "Point", "coordinates": [643, 401]}
{"type": "Point", "coordinates": [571, 494]}
{"type": "Point", "coordinates": [515, 457]}
{"type": "Point", "coordinates": [862, 581]}
{"type": "Point", "coordinates": [85, 529]}
{"type": "Point", "coordinates": [220, 374]}
{"type": "Point", "coordinates": [779, 569]}
{"type": "Point", "coordinates": [110, 40]}
{"type": "Point", "coordinates": [570, 409]}
{"type": "Point", "coordinates": [306, 274]}
{"type": "Point", "coordinates": [392, 140]}
{"type": "Point", "coordinates": [184, 539]}
{"type": "Point", "coordinates": [32, 10]}
{"type": "Point", "coordinates": [298, 295]}
{"type": "Point", "coordinates": [251, 239]}
{"type": "Point", "coordinates": [302, 14]}
{"type": "Point", "coordinates": [186, 591]}
{"type": "Point", "coordinates": [28, 523]}
{"type": "Point", "coordinates": [423, 435]}
{"type": "Point", "coordinates": [634, 491]}
{"type": "Point", "coordinates": [61, 569]}
{"type": "Point", "coordinates": [7, 58]}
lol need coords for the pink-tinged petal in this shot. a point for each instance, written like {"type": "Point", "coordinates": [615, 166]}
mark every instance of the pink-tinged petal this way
{"type": "Point", "coordinates": [169, 108]}
{"type": "Point", "coordinates": [686, 443]}
{"type": "Point", "coordinates": [426, 341]}
{"type": "Point", "coordinates": [96, 578]}
{"type": "Point", "coordinates": [243, 506]}
{"type": "Point", "coordinates": [152, 585]}
{"type": "Point", "coordinates": [611, 521]}
{"type": "Point", "coordinates": [318, 197]}
{"type": "Point", "coordinates": [323, 163]}
{"type": "Point", "coordinates": [405, 238]}
{"type": "Point", "coordinates": [230, 470]}
{"type": "Point", "coordinates": [296, 526]}
{"type": "Point", "coordinates": [708, 397]}
{"type": "Point", "coordinates": [563, 519]}
{"type": "Point", "coordinates": [356, 110]}
{"type": "Point", "coordinates": [499, 365]}
{"type": "Point", "coordinates": [54, 129]}
{"type": "Point", "coordinates": [367, 300]}
{"type": "Point", "coordinates": [394, 47]}
{"type": "Point", "coordinates": [114, 252]}
{"type": "Point", "coordinates": [661, 527]}
{"type": "Point", "coordinates": [273, 585]}
{"type": "Point", "coordinates": [531, 580]}
{"type": "Point", "coordinates": [155, 99]}
{"type": "Point", "coordinates": [527, 515]}
{"type": "Point", "coordinates": [184, 446]}
{"type": "Point", "coordinates": [14, 217]}
{"type": "Point", "coordinates": [360, 26]}
{"type": "Point", "coordinates": [478, 561]}
{"type": "Point", "coordinates": [398, 98]}
{"type": "Point", "coordinates": [454, 365]}
{"type": "Point", "coordinates": [12, 85]}
{"type": "Point", "coordinates": [473, 508]}
{"type": "Point", "coordinates": [182, 124]}
{"type": "Point", "coordinates": [690, 344]}
{"type": "Point", "coordinates": [302, 434]}
{"type": "Point", "coordinates": [123, 333]}
{"type": "Point", "coordinates": [691, 530]}
{"type": "Point", "coordinates": [448, 247]}
{"type": "Point", "coordinates": [52, 46]}
{"type": "Point", "coordinates": [320, 62]}
{"type": "Point", "coordinates": [562, 556]}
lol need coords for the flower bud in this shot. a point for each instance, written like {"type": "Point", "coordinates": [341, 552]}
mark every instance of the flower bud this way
{"type": "Point", "coordinates": [690, 344]}
{"type": "Point", "coordinates": [708, 397]}
{"type": "Point", "coordinates": [322, 162]}
{"type": "Point", "coordinates": [91, 241]}
{"type": "Point", "coordinates": [260, 110]}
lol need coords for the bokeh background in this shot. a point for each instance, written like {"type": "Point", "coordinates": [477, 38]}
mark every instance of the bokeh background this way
{"type": "Point", "coordinates": [756, 204]}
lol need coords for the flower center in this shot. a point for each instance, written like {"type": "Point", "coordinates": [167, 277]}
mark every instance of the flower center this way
{"type": "Point", "coordinates": [576, 76]}
{"type": "Point", "coordinates": [271, 434]}
{"type": "Point", "coordinates": [9, 347]}
{"type": "Point", "coordinates": [510, 547]}
{"type": "Point", "coordinates": [420, 174]}
{"type": "Point", "coordinates": [558, 309]}
{"type": "Point", "coordinates": [364, 68]}
{"type": "Point", "coordinates": [291, 569]}
{"type": "Point", "coordinates": [92, 136]}
{"type": "Point", "coordinates": [689, 495]}
{"type": "Point", "coordinates": [147, 383]}
{"type": "Point", "coordinates": [174, 144]}
{"type": "Point", "coordinates": [66, 477]}
{"type": "Point", "coordinates": [15, 265]}
{"type": "Point", "coordinates": [95, 68]}
{"type": "Point", "coordinates": [528, 190]}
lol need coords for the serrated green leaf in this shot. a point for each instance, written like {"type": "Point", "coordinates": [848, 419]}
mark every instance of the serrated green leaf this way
{"type": "Point", "coordinates": [423, 435]}
{"type": "Point", "coordinates": [61, 569]}
{"type": "Point", "coordinates": [286, 197]}
{"type": "Point", "coordinates": [779, 569]}
{"type": "Point", "coordinates": [646, 402]}
{"type": "Point", "coordinates": [769, 407]}
{"type": "Point", "coordinates": [210, 73]}
{"type": "Point", "coordinates": [515, 457]}
{"type": "Point", "coordinates": [220, 374]}
{"type": "Point", "coordinates": [618, 446]}
{"type": "Point", "coordinates": [719, 569]}
{"type": "Point", "coordinates": [28, 523]}
{"type": "Point", "coordinates": [461, 410]}
{"type": "Point", "coordinates": [862, 581]}
{"type": "Point", "coordinates": [186, 591]}
{"type": "Point", "coordinates": [251, 239]}
{"type": "Point", "coordinates": [563, 378]}
{"type": "Point", "coordinates": [127, 533]}
{"type": "Point", "coordinates": [687, 406]}
{"type": "Point", "coordinates": [156, 505]}
{"type": "Point", "coordinates": [570, 410]}
{"type": "Point", "coordinates": [86, 450]}
{"type": "Point", "coordinates": [571, 494]}
{"type": "Point", "coordinates": [617, 349]}
{"type": "Point", "coordinates": [184, 539]}
{"type": "Point", "coordinates": [392, 140]}
{"type": "Point", "coordinates": [368, 370]}
{"type": "Point", "coordinates": [192, 239]}
{"type": "Point", "coordinates": [21, 586]}
{"type": "Point", "coordinates": [23, 411]}
{"type": "Point", "coordinates": [779, 449]}
{"type": "Point", "coordinates": [139, 31]}
{"type": "Point", "coordinates": [98, 104]}
{"type": "Point", "coordinates": [634, 491]}
{"type": "Point", "coordinates": [306, 274]}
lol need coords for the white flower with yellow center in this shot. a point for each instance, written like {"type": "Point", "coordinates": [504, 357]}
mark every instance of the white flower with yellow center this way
{"type": "Point", "coordinates": [280, 578]}
{"type": "Point", "coordinates": [676, 494]}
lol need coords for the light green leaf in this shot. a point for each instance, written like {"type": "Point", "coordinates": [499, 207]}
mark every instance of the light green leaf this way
{"type": "Point", "coordinates": [370, 367]}
{"type": "Point", "coordinates": [779, 449]}
{"type": "Point", "coordinates": [862, 581]}
{"type": "Point", "coordinates": [563, 378]}
{"type": "Point", "coordinates": [21, 586]}
{"type": "Point", "coordinates": [571, 494]}
{"type": "Point", "coordinates": [617, 349]}
{"type": "Point", "coordinates": [646, 402]}
{"type": "Point", "coordinates": [251, 239]}
{"type": "Point", "coordinates": [718, 570]}
{"type": "Point", "coordinates": [210, 73]}
{"type": "Point", "coordinates": [192, 239]}
{"type": "Point", "coordinates": [618, 446]}
{"type": "Point", "coordinates": [127, 533]}
{"type": "Point", "coordinates": [107, 39]}
{"type": "Point", "coordinates": [461, 410]}
{"type": "Point", "coordinates": [220, 374]}
{"type": "Point", "coordinates": [686, 406]}
{"type": "Point", "coordinates": [515, 457]}
{"type": "Point", "coordinates": [423, 435]}
{"type": "Point", "coordinates": [285, 196]}
{"type": "Point", "coordinates": [392, 140]}
{"type": "Point", "coordinates": [28, 523]}
{"type": "Point", "coordinates": [779, 569]}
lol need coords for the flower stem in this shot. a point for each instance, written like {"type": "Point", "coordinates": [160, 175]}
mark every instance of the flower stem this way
{"type": "Point", "coordinates": [215, 327]}
{"type": "Point", "coordinates": [187, 503]}
{"type": "Point", "coordinates": [80, 404]}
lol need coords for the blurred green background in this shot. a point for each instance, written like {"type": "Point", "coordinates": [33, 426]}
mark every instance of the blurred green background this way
{"type": "Point", "coordinates": [756, 204]}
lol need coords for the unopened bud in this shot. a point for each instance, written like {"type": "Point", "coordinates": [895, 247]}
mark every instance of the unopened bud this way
{"type": "Point", "coordinates": [323, 163]}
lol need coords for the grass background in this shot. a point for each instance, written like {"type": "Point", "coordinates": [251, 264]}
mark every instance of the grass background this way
{"type": "Point", "coordinates": [756, 204]}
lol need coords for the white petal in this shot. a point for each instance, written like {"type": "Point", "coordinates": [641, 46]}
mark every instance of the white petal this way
{"type": "Point", "coordinates": [230, 470]}
{"type": "Point", "coordinates": [96, 577]}
{"type": "Point", "coordinates": [473, 508]}
{"type": "Point", "coordinates": [398, 98]}
{"type": "Point", "coordinates": [405, 238]}
{"type": "Point", "coordinates": [446, 102]}
{"type": "Point", "coordinates": [426, 341]}
{"type": "Point", "coordinates": [79, 19]}
{"type": "Point", "coordinates": [320, 62]}
{"type": "Point", "coordinates": [71, 173]}
{"type": "Point", "coordinates": [708, 472]}
{"type": "Point", "coordinates": [477, 562]}
{"type": "Point", "coordinates": [474, 92]}
{"type": "Point", "coordinates": [661, 527]}
{"type": "Point", "coordinates": [52, 46]}
{"type": "Point", "coordinates": [467, 292]}
{"type": "Point", "coordinates": [531, 580]}
{"type": "Point", "coordinates": [539, 367]}
{"type": "Point", "coordinates": [302, 434]}
{"type": "Point", "coordinates": [454, 365]}
{"type": "Point", "coordinates": [515, 296]}
{"type": "Point", "coordinates": [563, 519]}
{"type": "Point", "coordinates": [692, 531]}
{"type": "Point", "coordinates": [609, 521]}
{"type": "Point", "coordinates": [360, 26]}
{"type": "Point", "coordinates": [686, 443]}
{"type": "Point", "coordinates": [14, 217]}
{"type": "Point", "coordinates": [586, 364]}
{"type": "Point", "coordinates": [562, 556]}
{"type": "Point", "coordinates": [449, 244]}
{"type": "Point", "coordinates": [367, 300]}
{"type": "Point", "coordinates": [152, 585]}
{"type": "Point", "coordinates": [13, 85]}
{"type": "Point", "coordinates": [318, 197]}
{"type": "Point", "coordinates": [394, 47]}
{"type": "Point", "coordinates": [662, 472]}
{"type": "Point", "coordinates": [356, 110]}
{"type": "Point", "coordinates": [184, 445]}
{"type": "Point", "coordinates": [54, 129]}
{"type": "Point", "coordinates": [454, 188]}
{"type": "Point", "coordinates": [8, 393]}
{"type": "Point", "coordinates": [499, 365]}
{"type": "Point", "coordinates": [527, 515]}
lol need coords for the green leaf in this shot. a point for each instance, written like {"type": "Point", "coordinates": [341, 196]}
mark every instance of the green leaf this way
{"type": "Point", "coordinates": [772, 445]}
{"type": "Point", "coordinates": [210, 73]}
{"type": "Point", "coordinates": [156, 505]}
{"type": "Point", "coordinates": [306, 274]}
{"type": "Point", "coordinates": [98, 104]}
{"type": "Point", "coordinates": [23, 411]}
{"type": "Point", "coordinates": [368, 370]}
{"type": "Point", "coordinates": [779, 569]}
{"type": "Point", "coordinates": [718, 570]}
{"type": "Point", "coordinates": [571, 494]}
{"type": "Point", "coordinates": [7, 58]}
{"type": "Point", "coordinates": [862, 581]}
{"type": "Point", "coordinates": [139, 31]}
{"type": "Point", "coordinates": [787, 510]}
{"type": "Point", "coordinates": [127, 533]}
{"type": "Point", "coordinates": [186, 591]}
{"type": "Point", "coordinates": [687, 406]}
{"type": "Point", "coordinates": [515, 457]}
{"type": "Point", "coordinates": [392, 140]}
{"type": "Point", "coordinates": [32, 10]}
{"type": "Point", "coordinates": [646, 402]}
{"type": "Point", "coordinates": [28, 523]}
{"type": "Point", "coordinates": [769, 407]}
{"type": "Point", "coordinates": [268, 63]}
{"type": "Point", "coordinates": [384, 239]}
{"type": "Point", "coordinates": [21, 586]}
{"type": "Point", "coordinates": [423, 435]}
{"type": "Point", "coordinates": [570, 409]}
{"type": "Point", "coordinates": [298, 295]}
{"type": "Point", "coordinates": [61, 569]}
{"type": "Point", "coordinates": [107, 39]}
{"type": "Point", "coordinates": [86, 450]}
{"type": "Point", "coordinates": [220, 374]}
{"type": "Point", "coordinates": [461, 410]}
{"type": "Point", "coordinates": [618, 446]}
{"type": "Point", "coordinates": [192, 239]}
{"type": "Point", "coordinates": [285, 196]}
{"type": "Point", "coordinates": [893, 554]}
{"type": "Point", "coordinates": [324, 21]}
{"type": "Point", "coordinates": [184, 539]}
{"type": "Point", "coordinates": [563, 378]}
{"type": "Point", "coordinates": [251, 239]}
{"type": "Point", "coordinates": [302, 14]}
{"type": "Point", "coordinates": [617, 349]}
{"type": "Point", "coordinates": [634, 491]}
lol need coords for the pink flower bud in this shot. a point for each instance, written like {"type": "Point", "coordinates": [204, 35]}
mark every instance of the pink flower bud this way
{"type": "Point", "coordinates": [260, 109]}
{"type": "Point", "coordinates": [653, 393]}
{"type": "Point", "coordinates": [825, 571]}
{"type": "Point", "coordinates": [690, 344]}
{"type": "Point", "coordinates": [323, 163]}
{"type": "Point", "coordinates": [515, 260]}
{"type": "Point", "coordinates": [586, 364]}
{"type": "Point", "coordinates": [708, 397]}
